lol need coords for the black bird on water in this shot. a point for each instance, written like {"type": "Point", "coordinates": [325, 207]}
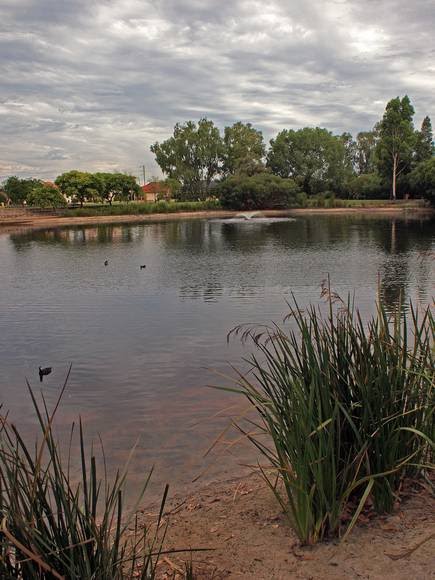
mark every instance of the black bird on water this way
{"type": "Point", "coordinates": [143, 267]}
{"type": "Point", "coordinates": [43, 372]}
{"type": "Point", "coordinates": [106, 262]}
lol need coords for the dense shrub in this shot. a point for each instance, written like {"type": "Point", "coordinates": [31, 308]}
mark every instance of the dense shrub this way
{"type": "Point", "coordinates": [368, 186]}
{"type": "Point", "coordinates": [259, 191]}
{"type": "Point", "coordinates": [422, 180]}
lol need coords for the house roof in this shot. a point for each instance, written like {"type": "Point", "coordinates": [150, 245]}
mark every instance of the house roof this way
{"type": "Point", "coordinates": [154, 187]}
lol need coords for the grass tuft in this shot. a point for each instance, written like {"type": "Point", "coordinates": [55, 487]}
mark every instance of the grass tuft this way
{"type": "Point", "coordinates": [51, 527]}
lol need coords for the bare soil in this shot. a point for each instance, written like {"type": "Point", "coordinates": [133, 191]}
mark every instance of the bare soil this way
{"type": "Point", "coordinates": [241, 524]}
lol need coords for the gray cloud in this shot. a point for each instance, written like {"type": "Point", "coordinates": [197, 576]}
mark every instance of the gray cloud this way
{"type": "Point", "coordinates": [92, 84]}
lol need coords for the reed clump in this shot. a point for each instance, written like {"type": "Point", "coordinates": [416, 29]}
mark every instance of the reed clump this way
{"type": "Point", "coordinates": [54, 525]}
{"type": "Point", "coordinates": [346, 410]}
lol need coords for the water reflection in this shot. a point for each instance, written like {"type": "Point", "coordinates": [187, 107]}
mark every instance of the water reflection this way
{"type": "Point", "coordinates": [144, 343]}
{"type": "Point", "coordinates": [78, 236]}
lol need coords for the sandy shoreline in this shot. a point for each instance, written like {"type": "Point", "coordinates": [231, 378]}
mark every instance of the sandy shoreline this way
{"type": "Point", "coordinates": [35, 221]}
{"type": "Point", "coordinates": [241, 524]}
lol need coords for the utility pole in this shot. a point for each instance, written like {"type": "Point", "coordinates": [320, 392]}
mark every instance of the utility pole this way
{"type": "Point", "coordinates": [143, 169]}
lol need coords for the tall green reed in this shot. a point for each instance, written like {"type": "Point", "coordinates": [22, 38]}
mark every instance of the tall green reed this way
{"type": "Point", "coordinates": [53, 528]}
{"type": "Point", "coordinates": [346, 409]}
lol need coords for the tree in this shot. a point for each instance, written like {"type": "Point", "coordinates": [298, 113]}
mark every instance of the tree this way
{"type": "Point", "coordinates": [424, 147]}
{"type": "Point", "coordinates": [422, 179]}
{"type": "Point", "coordinates": [365, 155]}
{"type": "Point", "coordinates": [46, 196]}
{"type": "Point", "coordinates": [396, 140]}
{"type": "Point", "coordinates": [18, 189]}
{"type": "Point", "coordinates": [174, 187]}
{"type": "Point", "coordinates": [350, 148]}
{"type": "Point", "coordinates": [313, 157]}
{"type": "Point", "coordinates": [192, 156]}
{"type": "Point", "coordinates": [80, 185]}
{"type": "Point", "coordinates": [260, 191]}
{"type": "Point", "coordinates": [244, 149]}
{"type": "Point", "coordinates": [117, 185]}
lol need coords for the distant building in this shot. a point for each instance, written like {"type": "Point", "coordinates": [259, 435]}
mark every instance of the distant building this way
{"type": "Point", "coordinates": [155, 191]}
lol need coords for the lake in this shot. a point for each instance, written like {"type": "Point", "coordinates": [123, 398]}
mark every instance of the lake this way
{"type": "Point", "coordinates": [146, 343]}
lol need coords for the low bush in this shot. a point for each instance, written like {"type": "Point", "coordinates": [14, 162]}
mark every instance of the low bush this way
{"type": "Point", "coordinates": [259, 191]}
{"type": "Point", "coordinates": [346, 410]}
{"type": "Point", "coordinates": [422, 180]}
{"type": "Point", "coordinates": [368, 186]}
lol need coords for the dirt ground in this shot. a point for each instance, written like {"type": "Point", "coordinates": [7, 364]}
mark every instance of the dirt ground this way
{"type": "Point", "coordinates": [241, 524]}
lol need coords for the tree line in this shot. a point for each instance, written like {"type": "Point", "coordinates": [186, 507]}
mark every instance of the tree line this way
{"type": "Point", "coordinates": [74, 186]}
{"type": "Point", "coordinates": [391, 160]}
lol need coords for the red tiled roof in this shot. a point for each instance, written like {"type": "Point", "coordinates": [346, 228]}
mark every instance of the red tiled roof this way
{"type": "Point", "coordinates": [154, 187]}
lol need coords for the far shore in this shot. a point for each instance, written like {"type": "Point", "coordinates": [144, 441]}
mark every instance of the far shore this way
{"type": "Point", "coordinates": [33, 221]}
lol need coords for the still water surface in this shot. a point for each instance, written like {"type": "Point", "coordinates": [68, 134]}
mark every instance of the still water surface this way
{"type": "Point", "coordinates": [145, 344]}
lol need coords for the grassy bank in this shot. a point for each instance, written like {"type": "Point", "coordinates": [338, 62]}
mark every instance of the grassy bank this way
{"type": "Point", "coordinates": [164, 207]}
{"type": "Point", "coordinates": [333, 202]}
{"type": "Point", "coordinates": [137, 208]}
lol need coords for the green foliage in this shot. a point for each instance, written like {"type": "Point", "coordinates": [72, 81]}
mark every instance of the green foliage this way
{"type": "Point", "coordinates": [346, 410]}
{"type": "Point", "coordinates": [80, 186]}
{"type": "Point", "coordinates": [424, 147]}
{"type": "Point", "coordinates": [174, 187]}
{"type": "Point", "coordinates": [314, 158]}
{"type": "Point", "coordinates": [422, 180]}
{"type": "Point", "coordinates": [46, 196]}
{"type": "Point", "coordinates": [52, 527]}
{"type": "Point", "coordinates": [397, 139]}
{"type": "Point", "coordinates": [260, 191]}
{"type": "Point", "coordinates": [244, 149]}
{"type": "Point", "coordinates": [192, 156]}
{"type": "Point", "coordinates": [18, 189]}
{"type": "Point", "coordinates": [367, 186]}
{"type": "Point", "coordinates": [117, 186]}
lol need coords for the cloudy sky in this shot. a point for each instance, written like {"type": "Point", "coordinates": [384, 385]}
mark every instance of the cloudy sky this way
{"type": "Point", "coordinates": [91, 84]}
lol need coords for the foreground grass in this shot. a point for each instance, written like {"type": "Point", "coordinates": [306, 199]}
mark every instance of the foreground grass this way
{"type": "Point", "coordinates": [345, 411]}
{"type": "Point", "coordinates": [54, 528]}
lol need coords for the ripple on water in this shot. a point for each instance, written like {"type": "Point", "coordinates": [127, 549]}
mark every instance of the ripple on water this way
{"type": "Point", "coordinates": [145, 344]}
